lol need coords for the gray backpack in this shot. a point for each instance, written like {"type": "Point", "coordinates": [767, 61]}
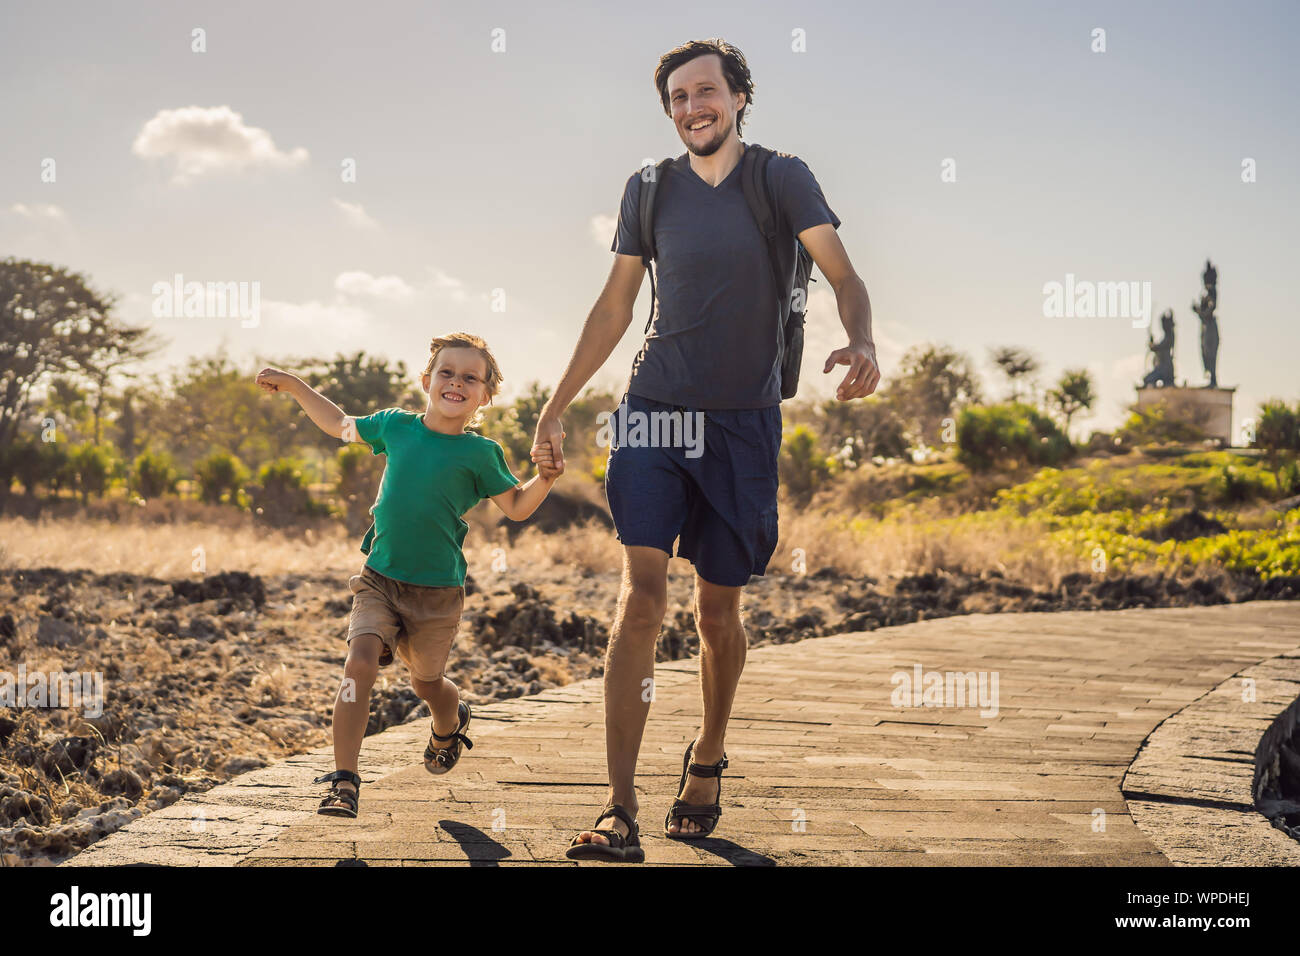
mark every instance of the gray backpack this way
{"type": "Point", "coordinates": [792, 292]}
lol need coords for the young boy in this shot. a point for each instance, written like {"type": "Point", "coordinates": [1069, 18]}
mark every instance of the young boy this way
{"type": "Point", "coordinates": [409, 595]}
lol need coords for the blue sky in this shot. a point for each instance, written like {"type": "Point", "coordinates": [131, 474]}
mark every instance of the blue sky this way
{"type": "Point", "coordinates": [479, 171]}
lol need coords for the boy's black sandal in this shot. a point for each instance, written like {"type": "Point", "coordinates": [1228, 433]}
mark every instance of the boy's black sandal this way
{"type": "Point", "coordinates": [626, 849]}
{"type": "Point", "coordinates": [438, 760]}
{"type": "Point", "coordinates": [701, 814]}
{"type": "Point", "coordinates": [336, 793]}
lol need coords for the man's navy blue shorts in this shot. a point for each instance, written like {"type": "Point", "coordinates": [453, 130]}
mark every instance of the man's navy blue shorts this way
{"type": "Point", "coordinates": [715, 491]}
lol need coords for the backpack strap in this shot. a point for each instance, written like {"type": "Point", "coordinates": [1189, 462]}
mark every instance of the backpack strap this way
{"type": "Point", "coordinates": [753, 179]}
{"type": "Point", "coordinates": [651, 176]}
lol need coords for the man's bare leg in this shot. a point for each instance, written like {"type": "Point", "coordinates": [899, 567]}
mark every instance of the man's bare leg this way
{"type": "Point", "coordinates": [723, 643]}
{"type": "Point", "coordinates": [629, 663]}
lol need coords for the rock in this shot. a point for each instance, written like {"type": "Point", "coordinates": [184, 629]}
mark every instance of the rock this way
{"type": "Point", "coordinates": [202, 626]}
{"type": "Point", "coordinates": [124, 783]}
{"type": "Point", "coordinates": [242, 764]}
{"type": "Point", "coordinates": [239, 586]}
{"type": "Point", "coordinates": [68, 756]}
{"type": "Point", "coordinates": [18, 805]}
{"type": "Point", "coordinates": [52, 632]}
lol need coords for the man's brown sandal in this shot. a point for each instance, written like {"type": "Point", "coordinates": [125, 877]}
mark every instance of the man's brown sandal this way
{"type": "Point", "coordinates": [704, 815]}
{"type": "Point", "coordinates": [626, 849]}
{"type": "Point", "coordinates": [438, 760]}
{"type": "Point", "coordinates": [338, 795]}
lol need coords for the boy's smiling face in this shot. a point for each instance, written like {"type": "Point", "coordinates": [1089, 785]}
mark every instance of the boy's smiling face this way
{"type": "Point", "coordinates": [457, 387]}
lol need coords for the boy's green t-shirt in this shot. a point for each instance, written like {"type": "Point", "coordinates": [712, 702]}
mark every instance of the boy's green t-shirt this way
{"type": "Point", "coordinates": [430, 480]}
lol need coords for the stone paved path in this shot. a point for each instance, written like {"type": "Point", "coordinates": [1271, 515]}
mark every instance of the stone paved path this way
{"type": "Point", "coordinates": [824, 768]}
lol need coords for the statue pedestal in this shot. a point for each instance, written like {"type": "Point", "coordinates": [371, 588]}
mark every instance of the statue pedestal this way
{"type": "Point", "coordinates": [1207, 408]}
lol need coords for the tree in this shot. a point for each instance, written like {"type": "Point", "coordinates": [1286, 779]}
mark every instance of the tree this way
{"type": "Point", "coordinates": [1072, 394]}
{"type": "Point", "coordinates": [212, 406]}
{"type": "Point", "coordinates": [858, 431]}
{"type": "Point", "coordinates": [935, 381]}
{"type": "Point", "coordinates": [53, 323]}
{"type": "Point", "coordinates": [513, 426]}
{"type": "Point", "coordinates": [357, 384]}
{"type": "Point", "coordinates": [1015, 363]}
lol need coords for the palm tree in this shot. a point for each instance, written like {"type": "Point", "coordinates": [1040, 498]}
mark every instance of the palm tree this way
{"type": "Point", "coordinates": [1073, 393]}
{"type": "Point", "coordinates": [1015, 363]}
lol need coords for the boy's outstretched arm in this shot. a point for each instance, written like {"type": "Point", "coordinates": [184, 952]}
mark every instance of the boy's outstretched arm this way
{"type": "Point", "coordinates": [328, 417]}
{"type": "Point", "coordinates": [522, 500]}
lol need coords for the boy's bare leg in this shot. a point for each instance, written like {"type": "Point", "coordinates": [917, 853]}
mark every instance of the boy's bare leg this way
{"type": "Point", "coordinates": [352, 704]}
{"type": "Point", "coordinates": [723, 644]}
{"type": "Point", "coordinates": [629, 663]}
{"type": "Point", "coordinates": [443, 698]}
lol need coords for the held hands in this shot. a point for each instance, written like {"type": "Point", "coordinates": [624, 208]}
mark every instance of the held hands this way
{"type": "Point", "coordinates": [547, 451]}
{"type": "Point", "coordinates": [863, 375]}
{"type": "Point", "coordinates": [274, 380]}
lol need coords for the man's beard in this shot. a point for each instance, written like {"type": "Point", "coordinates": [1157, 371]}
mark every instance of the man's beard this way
{"type": "Point", "coordinates": [712, 146]}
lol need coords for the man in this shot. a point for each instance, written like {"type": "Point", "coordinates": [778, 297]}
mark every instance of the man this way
{"type": "Point", "coordinates": [715, 349]}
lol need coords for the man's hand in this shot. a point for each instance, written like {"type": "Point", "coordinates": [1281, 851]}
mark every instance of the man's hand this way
{"type": "Point", "coordinates": [275, 380]}
{"type": "Point", "coordinates": [544, 458]}
{"type": "Point", "coordinates": [863, 375]}
{"type": "Point", "coordinates": [547, 444]}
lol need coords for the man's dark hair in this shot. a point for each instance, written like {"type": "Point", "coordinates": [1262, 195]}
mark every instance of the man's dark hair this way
{"type": "Point", "coordinates": [734, 68]}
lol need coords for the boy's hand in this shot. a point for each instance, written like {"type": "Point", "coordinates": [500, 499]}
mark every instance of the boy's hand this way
{"type": "Point", "coordinates": [275, 380]}
{"type": "Point", "coordinates": [543, 456]}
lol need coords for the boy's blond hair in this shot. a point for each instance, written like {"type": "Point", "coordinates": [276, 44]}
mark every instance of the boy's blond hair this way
{"type": "Point", "coordinates": [468, 340]}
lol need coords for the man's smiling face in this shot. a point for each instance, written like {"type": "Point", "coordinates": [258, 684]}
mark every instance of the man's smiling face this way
{"type": "Point", "coordinates": [703, 107]}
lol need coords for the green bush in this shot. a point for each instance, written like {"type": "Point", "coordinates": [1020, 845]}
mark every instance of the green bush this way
{"type": "Point", "coordinates": [1233, 486]}
{"type": "Point", "coordinates": [802, 466]}
{"type": "Point", "coordinates": [280, 495]}
{"type": "Point", "coordinates": [92, 467]}
{"type": "Point", "coordinates": [1154, 426]}
{"type": "Point", "coordinates": [1288, 480]}
{"type": "Point", "coordinates": [1278, 430]}
{"type": "Point", "coordinates": [357, 485]}
{"type": "Point", "coordinates": [221, 476]}
{"type": "Point", "coordinates": [1011, 433]}
{"type": "Point", "coordinates": [23, 461]}
{"type": "Point", "coordinates": [153, 474]}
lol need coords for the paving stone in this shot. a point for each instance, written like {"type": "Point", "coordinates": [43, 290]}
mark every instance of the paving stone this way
{"type": "Point", "coordinates": [1092, 706]}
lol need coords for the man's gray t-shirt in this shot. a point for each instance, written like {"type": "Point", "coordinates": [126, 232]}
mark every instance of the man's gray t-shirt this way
{"type": "Point", "coordinates": [716, 339]}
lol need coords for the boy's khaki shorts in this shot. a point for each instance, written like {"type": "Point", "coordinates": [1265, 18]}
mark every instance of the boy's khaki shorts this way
{"type": "Point", "coordinates": [415, 622]}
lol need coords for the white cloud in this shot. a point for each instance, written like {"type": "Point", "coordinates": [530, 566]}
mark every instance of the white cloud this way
{"type": "Point", "coordinates": [1130, 368]}
{"type": "Point", "coordinates": [363, 285]}
{"type": "Point", "coordinates": [602, 229]}
{"type": "Point", "coordinates": [356, 214]}
{"type": "Point", "coordinates": [202, 140]}
{"type": "Point", "coordinates": [38, 212]}
{"type": "Point", "coordinates": [447, 286]}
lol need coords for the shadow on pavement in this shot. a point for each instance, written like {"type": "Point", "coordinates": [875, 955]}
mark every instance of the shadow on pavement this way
{"type": "Point", "coordinates": [481, 849]}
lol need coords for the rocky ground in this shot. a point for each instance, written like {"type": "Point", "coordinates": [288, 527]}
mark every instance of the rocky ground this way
{"type": "Point", "coordinates": [206, 678]}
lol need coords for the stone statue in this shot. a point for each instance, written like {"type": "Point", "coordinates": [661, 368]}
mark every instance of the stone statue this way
{"type": "Point", "coordinates": [1163, 372]}
{"type": "Point", "coordinates": [1209, 324]}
